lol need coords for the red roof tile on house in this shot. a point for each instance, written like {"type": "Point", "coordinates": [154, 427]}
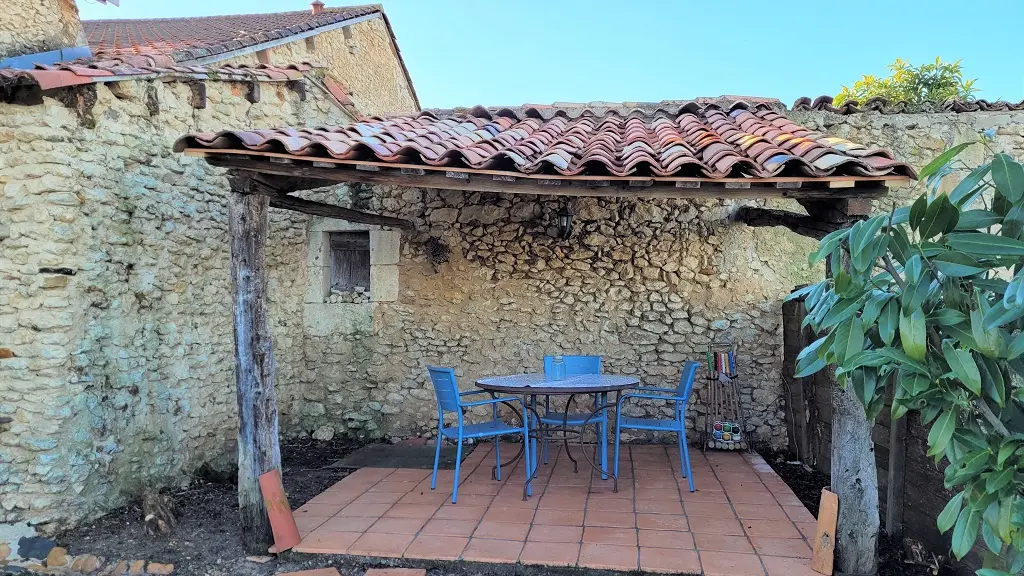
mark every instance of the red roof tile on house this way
{"type": "Point", "coordinates": [191, 38]}
{"type": "Point", "coordinates": [702, 139]}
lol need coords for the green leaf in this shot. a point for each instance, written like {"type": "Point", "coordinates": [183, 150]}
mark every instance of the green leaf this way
{"type": "Point", "coordinates": [965, 532]}
{"type": "Point", "coordinates": [800, 293]}
{"type": "Point", "coordinates": [1005, 451]}
{"type": "Point", "coordinates": [942, 430]}
{"type": "Point", "coordinates": [976, 219]}
{"type": "Point", "coordinates": [950, 513]}
{"type": "Point", "coordinates": [984, 245]}
{"type": "Point", "coordinates": [912, 335]}
{"type": "Point", "coordinates": [1000, 315]}
{"type": "Point", "coordinates": [849, 339]}
{"type": "Point", "coordinates": [968, 188]}
{"type": "Point", "coordinates": [941, 160]}
{"type": "Point", "coordinates": [965, 469]}
{"type": "Point", "coordinates": [963, 365]}
{"type": "Point", "coordinates": [957, 264]}
{"type": "Point", "coordinates": [991, 572]}
{"type": "Point", "coordinates": [1008, 176]}
{"type": "Point", "coordinates": [917, 210]}
{"type": "Point", "coordinates": [905, 362]}
{"type": "Point", "coordinates": [914, 384]}
{"type": "Point", "coordinates": [1005, 519]}
{"type": "Point", "coordinates": [827, 245]}
{"type": "Point", "coordinates": [899, 244]}
{"type": "Point", "coordinates": [946, 317]}
{"type": "Point", "coordinates": [995, 545]}
{"type": "Point", "coordinates": [873, 306]}
{"type": "Point", "coordinates": [940, 216]}
{"type": "Point", "coordinates": [842, 310]}
{"type": "Point", "coordinates": [1016, 346]}
{"type": "Point", "coordinates": [992, 381]}
{"type": "Point", "coordinates": [887, 322]}
{"type": "Point", "coordinates": [997, 480]}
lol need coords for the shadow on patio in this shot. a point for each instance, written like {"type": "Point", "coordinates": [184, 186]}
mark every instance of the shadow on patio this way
{"type": "Point", "coordinates": [742, 520]}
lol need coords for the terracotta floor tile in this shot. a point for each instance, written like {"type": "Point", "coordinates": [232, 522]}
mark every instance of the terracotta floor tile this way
{"type": "Point", "coordinates": [408, 475]}
{"type": "Point", "coordinates": [430, 547]}
{"type": "Point", "coordinates": [770, 529]}
{"type": "Point", "coordinates": [541, 533]}
{"type": "Point", "coordinates": [365, 510]}
{"type": "Point", "coordinates": [501, 530]}
{"type": "Point", "coordinates": [662, 522]}
{"type": "Point", "coordinates": [712, 525]}
{"type": "Point", "coordinates": [610, 519]}
{"type": "Point", "coordinates": [434, 498]}
{"type": "Point", "coordinates": [340, 497]}
{"type": "Point", "coordinates": [369, 474]}
{"type": "Point", "coordinates": [562, 502]}
{"type": "Point", "coordinates": [559, 517]}
{"type": "Point", "coordinates": [666, 539]}
{"type": "Point", "coordinates": [513, 515]}
{"type": "Point", "coordinates": [799, 513]}
{"type": "Point", "coordinates": [318, 509]}
{"type": "Point", "coordinates": [782, 547]}
{"type": "Point", "coordinates": [497, 551]}
{"type": "Point", "coordinates": [411, 511]}
{"type": "Point", "coordinates": [603, 535]}
{"type": "Point", "coordinates": [446, 527]}
{"type": "Point", "coordinates": [307, 524]}
{"type": "Point", "coordinates": [609, 557]}
{"type": "Point", "coordinates": [751, 497]}
{"type": "Point", "coordinates": [397, 526]}
{"type": "Point", "coordinates": [458, 512]}
{"type": "Point", "coordinates": [323, 542]}
{"type": "Point", "coordinates": [760, 511]}
{"type": "Point", "coordinates": [397, 487]}
{"type": "Point", "coordinates": [723, 543]}
{"type": "Point", "coordinates": [788, 566]}
{"type": "Point", "coordinates": [655, 494]}
{"type": "Point", "coordinates": [348, 524]}
{"type": "Point", "coordinates": [666, 560]}
{"type": "Point", "coordinates": [473, 500]}
{"type": "Point", "coordinates": [550, 553]}
{"type": "Point", "coordinates": [596, 504]}
{"type": "Point", "coordinates": [788, 500]}
{"type": "Point", "coordinates": [488, 488]}
{"type": "Point", "coordinates": [379, 498]}
{"type": "Point", "coordinates": [656, 507]}
{"type": "Point", "coordinates": [715, 509]}
{"type": "Point", "coordinates": [704, 496]}
{"type": "Point", "coordinates": [730, 564]}
{"type": "Point", "coordinates": [384, 545]}
{"type": "Point", "coordinates": [808, 529]}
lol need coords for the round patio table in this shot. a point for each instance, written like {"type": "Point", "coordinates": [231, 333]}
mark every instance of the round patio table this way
{"type": "Point", "coordinates": [533, 385]}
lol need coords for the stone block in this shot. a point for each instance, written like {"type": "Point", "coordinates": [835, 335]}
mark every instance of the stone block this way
{"type": "Point", "coordinates": [319, 284]}
{"type": "Point", "coordinates": [383, 283]}
{"type": "Point", "coordinates": [385, 247]}
{"type": "Point", "coordinates": [318, 250]}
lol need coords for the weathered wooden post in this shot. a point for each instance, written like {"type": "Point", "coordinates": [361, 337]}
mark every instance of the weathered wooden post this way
{"type": "Point", "coordinates": [255, 370]}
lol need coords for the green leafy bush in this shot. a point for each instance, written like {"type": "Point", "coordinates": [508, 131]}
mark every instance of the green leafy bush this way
{"type": "Point", "coordinates": [936, 82]}
{"type": "Point", "coordinates": [929, 299]}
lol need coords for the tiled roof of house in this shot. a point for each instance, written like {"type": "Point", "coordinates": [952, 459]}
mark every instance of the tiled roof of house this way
{"type": "Point", "coordinates": [190, 38]}
{"type": "Point", "coordinates": [885, 106]}
{"type": "Point", "coordinates": [705, 138]}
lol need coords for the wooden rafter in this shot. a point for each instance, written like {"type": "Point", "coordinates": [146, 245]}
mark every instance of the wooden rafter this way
{"type": "Point", "coordinates": [503, 182]}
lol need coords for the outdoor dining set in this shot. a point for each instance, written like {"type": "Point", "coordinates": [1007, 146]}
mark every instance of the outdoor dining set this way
{"type": "Point", "coordinates": [529, 397]}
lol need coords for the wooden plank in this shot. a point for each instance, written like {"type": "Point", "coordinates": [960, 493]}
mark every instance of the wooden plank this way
{"type": "Point", "coordinates": [255, 370]}
{"type": "Point", "coordinates": [566, 187]}
{"type": "Point", "coordinates": [824, 543]}
{"type": "Point", "coordinates": [896, 485]}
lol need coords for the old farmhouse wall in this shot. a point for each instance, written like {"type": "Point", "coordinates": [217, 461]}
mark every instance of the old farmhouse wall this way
{"type": "Point", "coordinates": [115, 327]}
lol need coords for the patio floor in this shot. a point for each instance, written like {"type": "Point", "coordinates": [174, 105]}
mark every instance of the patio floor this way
{"type": "Point", "coordinates": [742, 520]}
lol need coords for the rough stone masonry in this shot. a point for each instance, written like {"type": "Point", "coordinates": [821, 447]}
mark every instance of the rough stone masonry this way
{"type": "Point", "coordinates": [115, 327]}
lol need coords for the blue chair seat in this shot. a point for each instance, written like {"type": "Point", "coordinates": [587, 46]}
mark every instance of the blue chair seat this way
{"type": "Point", "coordinates": [554, 418]}
{"type": "Point", "coordinates": [650, 424]}
{"type": "Point", "coordinates": [492, 428]}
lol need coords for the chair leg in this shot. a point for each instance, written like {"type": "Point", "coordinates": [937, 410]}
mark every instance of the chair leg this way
{"type": "Point", "coordinates": [458, 466]}
{"type": "Point", "coordinates": [682, 459]}
{"type": "Point", "coordinates": [686, 453]}
{"type": "Point", "coordinates": [497, 458]}
{"type": "Point", "coordinates": [437, 460]}
{"type": "Point", "coordinates": [527, 458]}
{"type": "Point", "coordinates": [604, 437]}
{"type": "Point", "coordinates": [618, 428]}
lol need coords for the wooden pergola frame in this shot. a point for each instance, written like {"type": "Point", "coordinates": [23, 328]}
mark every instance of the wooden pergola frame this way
{"type": "Point", "coordinates": [260, 180]}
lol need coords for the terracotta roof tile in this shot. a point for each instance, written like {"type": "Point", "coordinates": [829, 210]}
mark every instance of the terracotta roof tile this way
{"type": "Point", "coordinates": [885, 106]}
{"type": "Point", "coordinates": [701, 138]}
{"type": "Point", "coordinates": [191, 38]}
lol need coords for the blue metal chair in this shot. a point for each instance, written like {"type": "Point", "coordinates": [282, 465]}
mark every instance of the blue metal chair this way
{"type": "Point", "coordinates": [576, 365]}
{"type": "Point", "coordinates": [679, 395]}
{"type": "Point", "coordinates": [449, 399]}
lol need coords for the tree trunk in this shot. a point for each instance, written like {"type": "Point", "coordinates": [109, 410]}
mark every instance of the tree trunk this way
{"type": "Point", "coordinates": [255, 370]}
{"type": "Point", "coordinates": [854, 479]}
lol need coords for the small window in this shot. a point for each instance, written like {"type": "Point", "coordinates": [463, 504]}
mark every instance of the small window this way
{"type": "Point", "coordinates": [350, 262]}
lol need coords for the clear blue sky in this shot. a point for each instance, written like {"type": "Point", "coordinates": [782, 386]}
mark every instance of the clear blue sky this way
{"type": "Point", "coordinates": [463, 52]}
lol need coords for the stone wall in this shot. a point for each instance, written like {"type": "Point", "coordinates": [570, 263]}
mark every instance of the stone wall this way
{"type": "Point", "coordinates": [118, 371]}
{"type": "Point", "coordinates": [362, 56]}
{"type": "Point", "coordinates": [115, 325]}
{"type": "Point", "coordinates": [29, 26]}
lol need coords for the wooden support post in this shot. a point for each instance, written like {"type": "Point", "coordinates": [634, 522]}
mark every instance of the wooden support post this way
{"type": "Point", "coordinates": [255, 370]}
{"type": "Point", "coordinates": [897, 477]}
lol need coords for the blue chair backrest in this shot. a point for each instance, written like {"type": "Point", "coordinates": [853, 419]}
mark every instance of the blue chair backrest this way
{"type": "Point", "coordinates": [687, 378]}
{"type": "Point", "coordinates": [445, 388]}
{"type": "Point", "coordinates": [575, 365]}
